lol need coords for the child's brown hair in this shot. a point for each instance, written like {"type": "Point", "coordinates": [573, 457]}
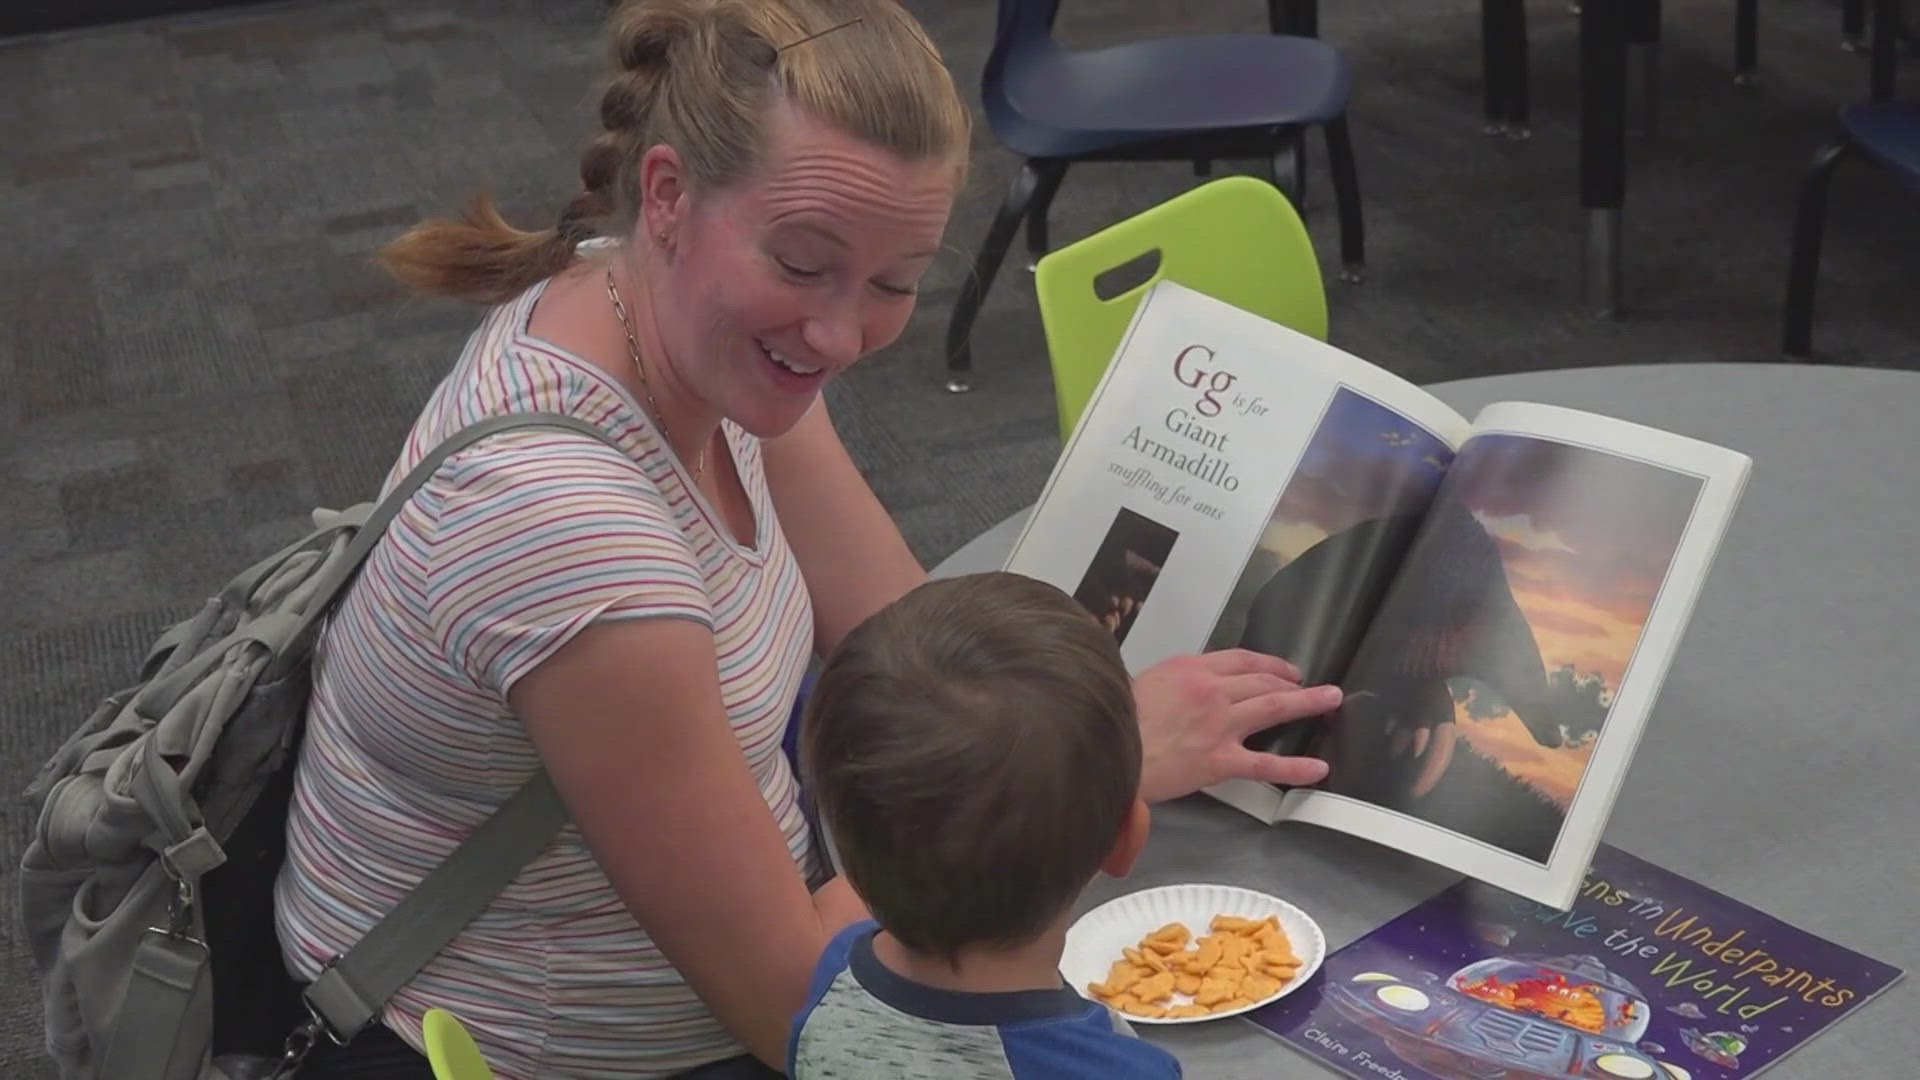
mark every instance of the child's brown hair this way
{"type": "Point", "coordinates": [974, 753]}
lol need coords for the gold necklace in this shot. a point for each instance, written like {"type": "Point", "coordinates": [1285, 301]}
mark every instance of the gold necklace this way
{"type": "Point", "coordinates": [640, 369]}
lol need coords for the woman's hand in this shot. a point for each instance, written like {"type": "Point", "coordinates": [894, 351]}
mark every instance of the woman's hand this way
{"type": "Point", "coordinates": [1195, 712]}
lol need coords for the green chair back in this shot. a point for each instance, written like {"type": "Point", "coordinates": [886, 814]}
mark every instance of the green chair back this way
{"type": "Point", "coordinates": [450, 1050]}
{"type": "Point", "coordinates": [1236, 239]}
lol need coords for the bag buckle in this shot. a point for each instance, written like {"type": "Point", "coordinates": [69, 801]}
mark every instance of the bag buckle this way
{"type": "Point", "coordinates": [179, 908]}
{"type": "Point", "coordinates": [299, 1044]}
{"type": "Point", "coordinates": [301, 1041]}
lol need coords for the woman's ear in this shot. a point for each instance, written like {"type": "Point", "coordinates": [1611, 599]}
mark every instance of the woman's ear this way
{"type": "Point", "coordinates": [663, 192]}
{"type": "Point", "coordinates": [1131, 838]}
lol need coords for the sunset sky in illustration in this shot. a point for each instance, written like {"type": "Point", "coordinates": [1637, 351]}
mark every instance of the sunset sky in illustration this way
{"type": "Point", "coordinates": [1364, 462]}
{"type": "Point", "coordinates": [1586, 538]}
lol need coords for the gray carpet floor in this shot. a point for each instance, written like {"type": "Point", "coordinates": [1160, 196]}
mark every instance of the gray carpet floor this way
{"type": "Point", "coordinates": [194, 348]}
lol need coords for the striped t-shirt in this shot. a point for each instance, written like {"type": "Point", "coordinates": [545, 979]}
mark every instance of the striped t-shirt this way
{"type": "Point", "coordinates": [512, 548]}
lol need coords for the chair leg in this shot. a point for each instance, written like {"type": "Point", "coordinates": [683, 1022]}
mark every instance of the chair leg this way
{"type": "Point", "coordinates": [1503, 32]}
{"type": "Point", "coordinates": [1346, 193]}
{"type": "Point", "coordinates": [1853, 25]}
{"type": "Point", "coordinates": [1643, 64]}
{"type": "Point", "coordinates": [1037, 220]}
{"type": "Point", "coordinates": [1803, 265]}
{"type": "Point", "coordinates": [1289, 167]}
{"type": "Point", "coordinates": [1493, 68]}
{"type": "Point", "coordinates": [1036, 178]}
{"type": "Point", "coordinates": [1746, 41]}
{"type": "Point", "coordinates": [1519, 112]}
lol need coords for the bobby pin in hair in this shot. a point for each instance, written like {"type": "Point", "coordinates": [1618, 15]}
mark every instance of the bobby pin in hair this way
{"type": "Point", "coordinates": [858, 18]}
{"type": "Point", "coordinates": [822, 33]}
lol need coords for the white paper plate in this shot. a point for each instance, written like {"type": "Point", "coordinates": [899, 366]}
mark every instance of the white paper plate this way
{"type": "Point", "coordinates": [1095, 940]}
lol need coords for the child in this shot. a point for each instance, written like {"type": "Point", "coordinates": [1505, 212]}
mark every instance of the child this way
{"type": "Point", "coordinates": [975, 757]}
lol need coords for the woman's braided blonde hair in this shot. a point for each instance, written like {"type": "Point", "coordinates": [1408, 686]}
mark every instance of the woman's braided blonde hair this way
{"type": "Point", "coordinates": [700, 76]}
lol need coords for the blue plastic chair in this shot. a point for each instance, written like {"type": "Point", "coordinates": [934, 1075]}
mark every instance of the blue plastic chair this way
{"type": "Point", "coordinates": [1886, 133]}
{"type": "Point", "coordinates": [1201, 98]}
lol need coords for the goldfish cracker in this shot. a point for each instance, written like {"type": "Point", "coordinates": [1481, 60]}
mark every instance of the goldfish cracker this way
{"type": "Point", "coordinates": [1182, 1012]}
{"type": "Point", "coordinates": [1174, 932]}
{"type": "Point", "coordinates": [1230, 924]}
{"type": "Point", "coordinates": [1151, 1012]}
{"type": "Point", "coordinates": [1188, 984]}
{"type": "Point", "coordinates": [1155, 988]}
{"type": "Point", "coordinates": [1212, 992]}
{"type": "Point", "coordinates": [1232, 1003]}
{"type": "Point", "coordinates": [1147, 959]}
{"type": "Point", "coordinates": [1260, 987]}
{"type": "Point", "coordinates": [1205, 958]}
{"type": "Point", "coordinates": [1234, 952]}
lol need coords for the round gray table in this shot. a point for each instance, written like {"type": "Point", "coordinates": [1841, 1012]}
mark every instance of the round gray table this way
{"type": "Point", "coordinates": [1778, 766]}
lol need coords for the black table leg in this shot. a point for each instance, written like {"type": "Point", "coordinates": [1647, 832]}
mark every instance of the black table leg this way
{"type": "Point", "coordinates": [1300, 18]}
{"type": "Point", "coordinates": [1603, 146]}
{"type": "Point", "coordinates": [1886, 30]}
{"type": "Point", "coordinates": [1503, 35]}
{"type": "Point", "coordinates": [1746, 41]}
{"type": "Point", "coordinates": [1853, 25]}
{"type": "Point", "coordinates": [1643, 64]}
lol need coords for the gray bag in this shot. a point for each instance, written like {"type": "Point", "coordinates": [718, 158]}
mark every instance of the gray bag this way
{"type": "Point", "coordinates": [146, 890]}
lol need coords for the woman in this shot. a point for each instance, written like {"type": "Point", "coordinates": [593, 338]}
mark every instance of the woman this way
{"type": "Point", "coordinates": [773, 177]}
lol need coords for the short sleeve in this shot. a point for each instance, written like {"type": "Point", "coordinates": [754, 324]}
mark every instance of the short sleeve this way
{"type": "Point", "coordinates": [536, 535]}
{"type": "Point", "coordinates": [1086, 1047]}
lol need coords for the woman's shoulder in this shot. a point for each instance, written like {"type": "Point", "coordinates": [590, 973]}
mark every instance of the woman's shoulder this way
{"type": "Point", "coordinates": [505, 371]}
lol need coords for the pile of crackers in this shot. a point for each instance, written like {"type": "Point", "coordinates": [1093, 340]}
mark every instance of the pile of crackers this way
{"type": "Point", "coordinates": [1242, 961]}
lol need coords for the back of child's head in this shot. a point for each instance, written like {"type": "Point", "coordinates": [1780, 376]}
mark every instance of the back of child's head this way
{"type": "Point", "coordinates": [974, 752]}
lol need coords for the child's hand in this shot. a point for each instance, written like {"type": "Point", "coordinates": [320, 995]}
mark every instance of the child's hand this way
{"type": "Point", "coordinates": [1195, 712]}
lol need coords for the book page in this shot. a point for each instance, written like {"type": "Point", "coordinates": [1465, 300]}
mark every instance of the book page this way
{"type": "Point", "coordinates": [1169, 494]}
{"type": "Point", "coordinates": [1493, 706]}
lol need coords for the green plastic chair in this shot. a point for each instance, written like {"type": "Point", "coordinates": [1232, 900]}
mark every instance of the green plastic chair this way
{"type": "Point", "coordinates": [1237, 239]}
{"type": "Point", "coordinates": [450, 1050]}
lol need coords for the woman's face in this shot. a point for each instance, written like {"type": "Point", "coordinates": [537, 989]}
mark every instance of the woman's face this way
{"type": "Point", "coordinates": [781, 282]}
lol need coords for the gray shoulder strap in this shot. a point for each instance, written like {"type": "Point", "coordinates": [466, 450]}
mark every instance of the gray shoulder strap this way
{"type": "Point", "coordinates": [353, 989]}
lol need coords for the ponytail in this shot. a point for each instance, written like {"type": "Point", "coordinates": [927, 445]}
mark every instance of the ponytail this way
{"type": "Point", "coordinates": [478, 258]}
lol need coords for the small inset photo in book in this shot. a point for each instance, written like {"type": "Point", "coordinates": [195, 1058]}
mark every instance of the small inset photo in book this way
{"type": "Point", "coordinates": [1124, 570]}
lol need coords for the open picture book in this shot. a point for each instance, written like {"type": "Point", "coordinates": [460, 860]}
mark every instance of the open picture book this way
{"type": "Point", "coordinates": [1499, 597]}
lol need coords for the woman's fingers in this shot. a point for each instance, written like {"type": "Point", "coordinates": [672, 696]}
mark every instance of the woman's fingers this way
{"type": "Point", "coordinates": [1281, 707]}
{"type": "Point", "coordinates": [1274, 769]}
{"type": "Point", "coordinates": [1248, 662]}
{"type": "Point", "coordinates": [1196, 711]}
{"type": "Point", "coordinates": [1253, 685]}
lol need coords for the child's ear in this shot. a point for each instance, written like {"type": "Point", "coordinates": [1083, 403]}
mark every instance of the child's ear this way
{"type": "Point", "coordinates": [1127, 844]}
